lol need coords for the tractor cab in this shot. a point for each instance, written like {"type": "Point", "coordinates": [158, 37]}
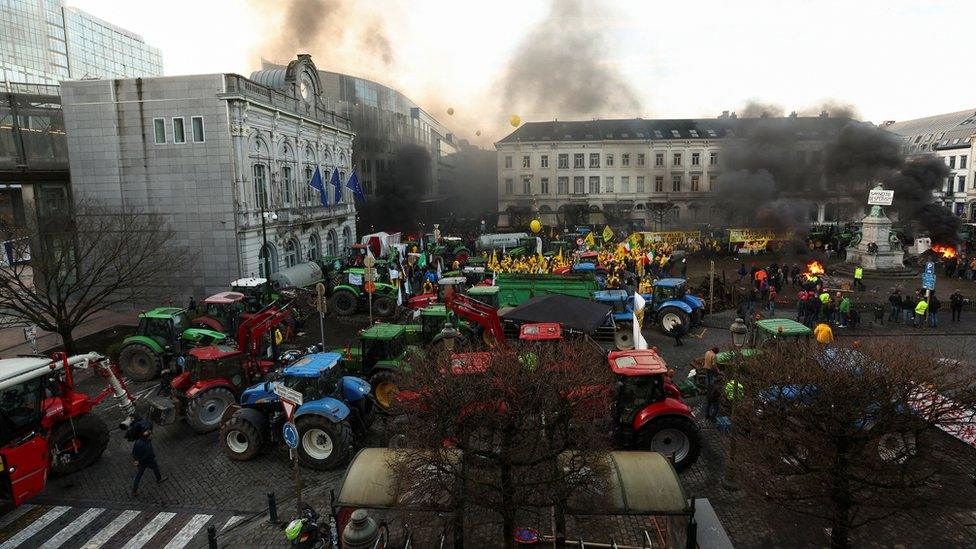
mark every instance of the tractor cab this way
{"type": "Point", "coordinates": [170, 327]}
{"type": "Point", "coordinates": [382, 343]}
{"type": "Point", "coordinates": [640, 381]}
{"type": "Point", "coordinates": [432, 320]}
{"type": "Point", "coordinates": [222, 312]}
{"type": "Point", "coordinates": [255, 291]}
{"type": "Point", "coordinates": [618, 300]}
{"type": "Point", "coordinates": [20, 401]}
{"type": "Point", "coordinates": [485, 294]}
{"type": "Point", "coordinates": [314, 376]}
{"type": "Point", "coordinates": [667, 289]}
{"type": "Point", "coordinates": [216, 362]}
{"type": "Point", "coordinates": [357, 255]}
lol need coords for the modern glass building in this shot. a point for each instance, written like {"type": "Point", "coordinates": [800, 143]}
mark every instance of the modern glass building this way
{"type": "Point", "coordinates": [45, 42]}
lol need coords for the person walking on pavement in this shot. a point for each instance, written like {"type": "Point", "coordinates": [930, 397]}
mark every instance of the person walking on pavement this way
{"type": "Point", "coordinates": [677, 332]}
{"type": "Point", "coordinates": [772, 301]}
{"type": "Point", "coordinates": [920, 309]}
{"type": "Point", "coordinates": [144, 458]}
{"type": "Point", "coordinates": [956, 301]}
{"type": "Point", "coordinates": [742, 272]}
{"type": "Point", "coordinates": [713, 397]}
{"type": "Point", "coordinates": [858, 278]}
{"type": "Point", "coordinates": [710, 365]}
{"type": "Point", "coordinates": [843, 311]}
{"type": "Point", "coordinates": [909, 308]}
{"type": "Point", "coordinates": [934, 306]}
{"type": "Point", "coordinates": [896, 302]}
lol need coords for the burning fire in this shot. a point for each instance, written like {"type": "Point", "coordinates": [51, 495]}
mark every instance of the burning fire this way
{"type": "Point", "coordinates": [815, 268]}
{"type": "Point", "coordinates": [946, 251]}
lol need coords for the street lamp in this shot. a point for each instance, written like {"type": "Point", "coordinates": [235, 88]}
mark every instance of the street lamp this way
{"type": "Point", "coordinates": [739, 331]}
{"type": "Point", "coordinates": [265, 216]}
{"type": "Point", "coordinates": [449, 334]}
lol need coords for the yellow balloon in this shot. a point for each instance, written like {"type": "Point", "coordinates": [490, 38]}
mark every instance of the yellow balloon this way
{"type": "Point", "coordinates": [514, 120]}
{"type": "Point", "coordinates": [535, 225]}
{"type": "Point", "coordinates": [450, 111]}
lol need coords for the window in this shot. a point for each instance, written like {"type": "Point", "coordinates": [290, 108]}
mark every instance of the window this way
{"type": "Point", "coordinates": [562, 185]}
{"type": "Point", "coordinates": [609, 160]}
{"type": "Point", "coordinates": [579, 185]}
{"type": "Point", "coordinates": [676, 183]}
{"type": "Point", "coordinates": [659, 184]}
{"type": "Point", "coordinates": [594, 184]}
{"type": "Point", "coordinates": [962, 161]}
{"type": "Point", "coordinates": [961, 186]}
{"type": "Point", "coordinates": [309, 191]}
{"type": "Point", "coordinates": [314, 247]}
{"type": "Point", "coordinates": [695, 159]}
{"type": "Point", "coordinates": [196, 125]}
{"type": "Point", "coordinates": [694, 182]}
{"type": "Point", "coordinates": [509, 185]}
{"type": "Point", "coordinates": [544, 185]}
{"type": "Point", "coordinates": [952, 162]}
{"type": "Point", "coordinates": [675, 133]}
{"type": "Point", "coordinates": [508, 161]}
{"type": "Point", "coordinates": [159, 130]}
{"type": "Point", "coordinates": [526, 184]}
{"type": "Point", "coordinates": [658, 159]}
{"type": "Point", "coordinates": [563, 162]}
{"type": "Point", "coordinates": [544, 161]}
{"type": "Point", "coordinates": [676, 159]}
{"type": "Point", "coordinates": [291, 253]}
{"type": "Point", "coordinates": [625, 160]}
{"type": "Point", "coordinates": [625, 184]}
{"type": "Point", "coordinates": [260, 187]}
{"type": "Point", "coordinates": [179, 133]}
{"type": "Point", "coordinates": [578, 160]}
{"type": "Point", "coordinates": [609, 185]}
{"type": "Point", "coordinates": [713, 159]}
{"type": "Point", "coordinates": [286, 183]}
{"type": "Point", "coordinates": [526, 161]}
{"type": "Point", "coordinates": [594, 160]}
{"type": "Point", "coordinates": [713, 182]}
{"type": "Point", "coordinates": [640, 160]}
{"type": "Point", "coordinates": [640, 184]}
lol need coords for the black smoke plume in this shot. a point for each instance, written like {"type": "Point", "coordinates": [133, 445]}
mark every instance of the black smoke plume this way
{"type": "Point", "coordinates": [913, 185]}
{"type": "Point", "coordinates": [859, 155]}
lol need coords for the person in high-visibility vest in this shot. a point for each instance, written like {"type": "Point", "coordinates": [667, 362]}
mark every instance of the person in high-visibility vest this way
{"type": "Point", "coordinates": [920, 309]}
{"type": "Point", "coordinates": [858, 276]}
{"type": "Point", "coordinates": [734, 390]}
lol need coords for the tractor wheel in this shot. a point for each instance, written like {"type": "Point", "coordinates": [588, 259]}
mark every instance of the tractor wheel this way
{"type": "Point", "coordinates": [668, 318]}
{"type": "Point", "coordinates": [140, 363]}
{"type": "Point", "coordinates": [203, 411]}
{"type": "Point", "coordinates": [383, 306]}
{"type": "Point", "coordinates": [385, 388]}
{"type": "Point", "coordinates": [77, 443]}
{"type": "Point", "coordinates": [322, 443]}
{"type": "Point", "coordinates": [241, 439]}
{"type": "Point", "coordinates": [344, 303]}
{"type": "Point", "coordinates": [672, 436]}
{"type": "Point", "coordinates": [623, 338]}
{"type": "Point", "coordinates": [696, 317]}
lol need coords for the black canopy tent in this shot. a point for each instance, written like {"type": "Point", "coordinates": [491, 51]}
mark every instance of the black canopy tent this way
{"type": "Point", "coordinates": [573, 313]}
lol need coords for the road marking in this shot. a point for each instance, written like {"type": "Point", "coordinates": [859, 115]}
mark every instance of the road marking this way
{"type": "Point", "coordinates": [182, 539]}
{"type": "Point", "coordinates": [150, 530]}
{"type": "Point", "coordinates": [34, 527]}
{"type": "Point", "coordinates": [232, 521]}
{"type": "Point", "coordinates": [57, 540]}
{"type": "Point", "coordinates": [14, 515]}
{"type": "Point", "coordinates": [113, 528]}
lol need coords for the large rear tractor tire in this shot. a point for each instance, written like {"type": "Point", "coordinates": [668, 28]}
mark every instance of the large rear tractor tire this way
{"type": "Point", "coordinates": [241, 440]}
{"type": "Point", "coordinates": [672, 436]}
{"type": "Point", "coordinates": [140, 363]}
{"type": "Point", "coordinates": [623, 338]}
{"type": "Point", "coordinates": [203, 411]}
{"type": "Point", "coordinates": [344, 303]}
{"type": "Point", "coordinates": [323, 444]}
{"type": "Point", "coordinates": [383, 306]}
{"type": "Point", "coordinates": [77, 443]}
{"type": "Point", "coordinates": [670, 317]}
{"type": "Point", "coordinates": [385, 388]}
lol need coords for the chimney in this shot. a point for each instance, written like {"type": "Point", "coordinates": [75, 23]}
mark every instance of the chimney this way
{"type": "Point", "coordinates": [823, 114]}
{"type": "Point", "coordinates": [725, 114]}
{"type": "Point", "coordinates": [793, 114]}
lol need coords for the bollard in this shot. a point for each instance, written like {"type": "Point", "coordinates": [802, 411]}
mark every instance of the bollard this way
{"type": "Point", "coordinates": [272, 509]}
{"type": "Point", "coordinates": [212, 537]}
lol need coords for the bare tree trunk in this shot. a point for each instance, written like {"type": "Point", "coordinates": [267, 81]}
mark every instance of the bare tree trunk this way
{"type": "Point", "coordinates": [67, 340]}
{"type": "Point", "coordinates": [840, 499]}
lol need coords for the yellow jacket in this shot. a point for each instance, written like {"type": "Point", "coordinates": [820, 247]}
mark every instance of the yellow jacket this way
{"type": "Point", "coordinates": [823, 333]}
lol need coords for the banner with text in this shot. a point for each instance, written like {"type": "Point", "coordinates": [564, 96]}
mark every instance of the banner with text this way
{"type": "Point", "coordinates": [758, 235]}
{"type": "Point", "coordinates": [672, 238]}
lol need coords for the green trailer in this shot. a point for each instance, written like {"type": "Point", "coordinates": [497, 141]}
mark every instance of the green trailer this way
{"type": "Point", "coordinates": [515, 289]}
{"type": "Point", "coordinates": [766, 332]}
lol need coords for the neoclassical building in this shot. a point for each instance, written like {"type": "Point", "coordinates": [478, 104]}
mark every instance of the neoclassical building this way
{"type": "Point", "coordinates": [216, 153]}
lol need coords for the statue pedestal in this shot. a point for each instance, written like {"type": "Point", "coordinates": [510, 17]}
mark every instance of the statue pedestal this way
{"type": "Point", "coordinates": [888, 256]}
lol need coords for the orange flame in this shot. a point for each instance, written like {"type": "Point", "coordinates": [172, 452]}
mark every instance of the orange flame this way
{"type": "Point", "coordinates": [946, 251]}
{"type": "Point", "coordinates": [815, 268]}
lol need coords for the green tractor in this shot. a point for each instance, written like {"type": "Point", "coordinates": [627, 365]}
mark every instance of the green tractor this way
{"type": "Point", "coordinates": [163, 332]}
{"type": "Point", "coordinates": [349, 296]}
{"type": "Point", "coordinates": [382, 350]}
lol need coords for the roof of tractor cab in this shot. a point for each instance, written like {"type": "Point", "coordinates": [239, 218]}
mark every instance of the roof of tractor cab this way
{"type": "Point", "coordinates": [583, 267]}
{"type": "Point", "coordinates": [611, 295]}
{"type": "Point", "coordinates": [669, 282]}
{"type": "Point", "coordinates": [637, 362]}
{"type": "Point", "coordinates": [383, 331]}
{"type": "Point", "coordinates": [783, 326]}
{"type": "Point", "coordinates": [589, 255]}
{"type": "Point", "coordinates": [483, 290]}
{"type": "Point", "coordinates": [163, 312]}
{"type": "Point", "coordinates": [249, 282]}
{"type": "Point", "coordinates": [15, 367]}
{"type": "Point", "coordinates": [224, 298]}
{"type": "Point", "coordinates": [214, 352]}
{"type": "Point", "coordinates": [313, 365]}
{"type": "Point", "coordinates": [434, 310]}
{"type": "Point", "coordinates": [452, 280]}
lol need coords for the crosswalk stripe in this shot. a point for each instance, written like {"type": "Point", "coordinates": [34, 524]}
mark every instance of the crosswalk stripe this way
{"type": "Point", "coordinates": [113, 528]}
{"type": "Point", "coordinates": [57, 540]}
{"type": "Point", "coordinates": [34, 527]}
{"type": "Point", "coordinates": [148, 531]}
{"type": "Point", "coordinates": [231, 521]}
{"type": "Point", "coordinates": [10, 517]}
{"type": "Point", "coordinates": [191, 528]}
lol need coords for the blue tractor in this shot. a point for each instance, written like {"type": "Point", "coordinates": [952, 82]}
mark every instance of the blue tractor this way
{"type": "Point", "coordinates": [672, 305]}
{"type": "Point", "coordinates": [334, 408]}
{"type": "Point", "coordinates": [622, 304]}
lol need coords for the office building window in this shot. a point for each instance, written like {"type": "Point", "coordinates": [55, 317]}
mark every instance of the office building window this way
{"type": "Point", "coordinates": [609, 185]}
{"type": "Point", "coordinates": [509, 185]}
{"type": "Point", "coordinates": [961, 186]}
{"type": "Point", "coordinates": [544, 185]}
{"type": "Point", "coordinates": [676, 159]}
{"type": "Point", "coordinates": [563, 162]}
{"type": "Point", "coordinates": [594, 160]}
{"type": "Point", "coordinates": [609, 160]}
{"type": "Point", "coordinates": [526, 184]}
{"type": "Point", "coordinates": [562, 185]}
{"type": "Point", "coordinates": [640, 160]}
{"type": "Point", "coordinates": [640, 184]}
{"type": "Point", "coordinates": [713, 182]}
{"type": "Point", "coordinates": [694, 182]}
{"type": "Point", "coordinates": [952, 162]}
{"type": "Point", "coordinates": [695, 159]}
{"type": "Point", "coordinates": [962, 161]}
{"type": "Point", "coordinates": [594, 184]}
{"type": "Point", "coordinates": [286, 183]}
{"type": "Point", "coordinates": [526, 161]}
{"type": "Point", "coordinates": [625, 184]}
{"type": "Point", "coordinates": [544, 161]}
{"type": "Point", "coordinates": [625, 160]}
{"type": "Point", "coordinates": [260, 186]}
{"type": "Point", "coordinates": [579, 184]}
{"type": "Point", "coordinates": [578, 161]}
{"type": "Point", "coordinates": [179, 132]}
{"type": "Point", "coordinates": [508, 161]}
{"type": "Point", "coordinates": [658, 159]}
{"type": "Point", "coordinates": [713, 159]}
{"type": "Point", "coordinates": [196, 125]}
{"type": "Point", "coordinates": [159, 129]}
{"type": "Point", "coordinates": [659, 184]}
{"type": "Point", "coordinates": [676, 183]}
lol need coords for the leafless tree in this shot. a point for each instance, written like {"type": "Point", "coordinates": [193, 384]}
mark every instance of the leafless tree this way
{"type": "Point", "coordinates": [504, 433]}
{"type": "Point", "coordinates": [851, 435]}
{"type": "Point", "coordinates": [83, 264]}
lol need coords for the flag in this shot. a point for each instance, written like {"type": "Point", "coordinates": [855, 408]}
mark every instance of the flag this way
{"type": "Point", "coordinates": [357, 190]}
{"type": "Point", "coordinates": [607, 233]}
{"type": "Point", "coordinates": [317, 184]}
{"type": "Point", "coordinates": [334, 181]}
{"type": "Point", "coordinates": [638, 320]}
{"type": "Point", "coordinates": [589, 240]}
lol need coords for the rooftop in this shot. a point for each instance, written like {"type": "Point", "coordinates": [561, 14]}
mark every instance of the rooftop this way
{"type": "Point", "coordinates": [941, 131]}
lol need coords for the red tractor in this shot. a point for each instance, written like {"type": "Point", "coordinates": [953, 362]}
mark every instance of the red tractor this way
{"type": "Point", "coordinates": [214, 376]}
{"type": "Point", "coordinates": [46, 425]}
{"type": "Point", "coordinates": [223, 312]}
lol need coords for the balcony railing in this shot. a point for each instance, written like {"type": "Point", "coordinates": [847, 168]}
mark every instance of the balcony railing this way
{"type": "Point", "coordinates": [240, 86]}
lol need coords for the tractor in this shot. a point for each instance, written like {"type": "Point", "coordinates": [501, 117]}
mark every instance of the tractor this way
{"type": "Point", "coordinates": [456, 284]}
{"type": "Point", "coordinates": [213, 376]}
{"type": "Point", "coordinates": [672, 305]}
{"type": "Point", "coordinates": [623, 315]}
{"type": "Point", "coordinates": [349, 295]}
{"type": "Point", "coordinates": [163, 333]}
{"type": "Point", "coordinates": [222, 312]}
{"type": "Point", "coordinates": [332, 410]}
{"type": "Point", "coordinates": [381, 353]}
{"type": "Point", "coordinates": [255, 292]}
{"type": "Point", "coordinates": [46, 425]}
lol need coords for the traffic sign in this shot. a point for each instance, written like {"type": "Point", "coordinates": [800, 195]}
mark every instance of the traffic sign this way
{"type": "Point", "coordinates": [928, 276]}
{"type": "Point", "coordinates": [287, 393]}
{"type": "Point", "coordinates": [290, 433]}
{"type": "Point", "coordinates": [370, 287]}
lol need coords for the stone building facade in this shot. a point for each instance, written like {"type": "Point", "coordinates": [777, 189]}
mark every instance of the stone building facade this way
{"type": "Point", "coordinates": [214, 153]}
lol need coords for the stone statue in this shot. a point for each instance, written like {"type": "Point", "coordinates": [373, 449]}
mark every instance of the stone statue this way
{"type": "Point", "coordinates": [877, 210]}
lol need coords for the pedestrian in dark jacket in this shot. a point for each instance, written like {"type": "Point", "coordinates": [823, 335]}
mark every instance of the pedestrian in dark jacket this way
{"type": "Point", "coordinates": [144, 458]}
{"type": "Point", "coordinates": [895, 301]}
{"type": "Point", "coordinates": [934, 306]}
{"type": "Point", "coordinates": [956, 301]}
{"type": "Point", "coordinates": [677, 332]}
{"type": "Point", "coordinates": [713, 397]}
